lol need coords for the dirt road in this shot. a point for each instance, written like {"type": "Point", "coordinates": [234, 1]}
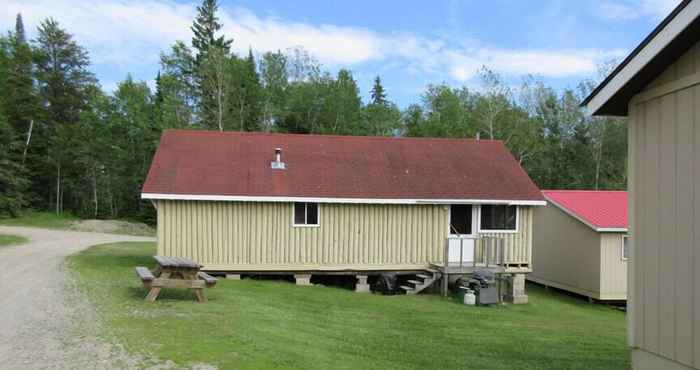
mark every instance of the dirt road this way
{"type": "Point", "coordinates": [44, 323]}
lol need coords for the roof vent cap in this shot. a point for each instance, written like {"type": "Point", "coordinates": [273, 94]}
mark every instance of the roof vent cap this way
{"type": "Point", "coordinates": [277, 164]}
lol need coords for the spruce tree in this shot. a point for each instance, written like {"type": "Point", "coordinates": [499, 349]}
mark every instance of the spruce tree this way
{"type": "Point", "coordinates": [20, 35]}
{"type": "Point", "coordinates": [205, 27]}
{"type": "Point", "coordinates": [378, 93]}
{"type": "Point", "coordinates": [20, 97]}
{"type": "Point", "coordinates": [63, 79]}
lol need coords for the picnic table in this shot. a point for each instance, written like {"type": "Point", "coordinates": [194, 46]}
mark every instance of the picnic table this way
{"type": "Point", "coordinates": [175, 272]}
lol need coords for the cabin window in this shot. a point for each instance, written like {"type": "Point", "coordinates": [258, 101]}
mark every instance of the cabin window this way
{"type": "Point", "coordinates": [305, 214]}
{"type": "Point", "coordinates": [499, 218]}
{"type": "Point", "coordinates": [461, 219]}
{"type": "Point", "coordinates": [625, 247]}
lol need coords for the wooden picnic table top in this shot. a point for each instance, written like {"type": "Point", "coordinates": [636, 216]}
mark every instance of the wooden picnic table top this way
{"type": "Point", "coordinates": [176, 262]}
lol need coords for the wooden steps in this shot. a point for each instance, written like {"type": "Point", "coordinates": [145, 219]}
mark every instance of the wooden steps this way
{"type": "Point", "coordinates": [422, 281]}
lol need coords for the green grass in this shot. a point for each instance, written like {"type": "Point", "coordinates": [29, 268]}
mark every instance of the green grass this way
{"type": "Point", "coordinates": [273, 324]}
{"type": "Point", "coordinates": [6, 240]}
{"type": "Point", "coordinates": [46, 220]}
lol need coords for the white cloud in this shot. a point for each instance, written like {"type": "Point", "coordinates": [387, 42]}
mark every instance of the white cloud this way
{"type": "Point", "coordinates": [632, 9]}
{"type": "Point", "coordinates": [549, 63]}
{"type": "Point", "coordinates": [129, 34]}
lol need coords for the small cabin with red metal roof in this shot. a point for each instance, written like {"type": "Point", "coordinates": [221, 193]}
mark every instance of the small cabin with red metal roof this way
{"type": "Point", "coordinates": [580, 243]}
{"type": "Point", "coordinates": [252, 203]}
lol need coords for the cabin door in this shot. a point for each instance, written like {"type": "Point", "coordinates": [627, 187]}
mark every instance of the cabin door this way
{"type": "Point", "coordinates": [462, 233]}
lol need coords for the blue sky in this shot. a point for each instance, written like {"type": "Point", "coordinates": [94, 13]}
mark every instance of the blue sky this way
{"type": "Point", "coordinates": [408, 43]}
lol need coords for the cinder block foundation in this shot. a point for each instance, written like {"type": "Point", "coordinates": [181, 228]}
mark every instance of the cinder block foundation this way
{"type": "Point", "coordinates": [516, 290]}
{"type": "Point", "coordinates": [303, 279]}
{"type": "Point", "coordinates": [361, 286]}
{"type": "Point", "coordinates": [233, 276]}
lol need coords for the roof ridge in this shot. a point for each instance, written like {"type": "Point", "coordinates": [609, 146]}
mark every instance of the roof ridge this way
{"type": "Point", "coordinates": [345, 137]}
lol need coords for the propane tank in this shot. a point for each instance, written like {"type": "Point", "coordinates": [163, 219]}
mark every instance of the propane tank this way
{"type": "Point", "coordinates": [469, 298]}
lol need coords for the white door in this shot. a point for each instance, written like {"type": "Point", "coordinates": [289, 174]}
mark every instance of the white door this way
{"type": "Point", "coordinates": [462, 233]}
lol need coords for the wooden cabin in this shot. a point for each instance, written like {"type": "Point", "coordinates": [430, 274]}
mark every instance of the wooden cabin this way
{"type": "Point", "coordinates": [580, 243]}
{"type": "Point", "coordinates": [254, 203]}
{"type": "Point", "coordinates": [658, 87]}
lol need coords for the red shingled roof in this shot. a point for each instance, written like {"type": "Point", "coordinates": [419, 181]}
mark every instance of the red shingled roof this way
{"type": "Point", "coordinates": [598, 209]}
{"type": "Point", "coordinates": [238, 164]}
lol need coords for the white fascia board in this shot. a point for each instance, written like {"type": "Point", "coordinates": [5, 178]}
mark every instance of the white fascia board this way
{"type": "Point", "coordinates": [611, 230]}
{"type": "Point", "coordinates": [237, 198]}
{"type": "Point", "coordinates": [654, 47]}
{"type": "Point", "coordinates": [596, 228]}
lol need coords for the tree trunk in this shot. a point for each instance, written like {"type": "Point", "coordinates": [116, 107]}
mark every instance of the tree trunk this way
{"type": "Point", "coordinates": [599, 158]}
{"type": "Point", "coordinates": [94, 191]}
{"type": "Point", "coordinates": [58, 188]}
{"type": "Point", "coordinates": [29, 138]}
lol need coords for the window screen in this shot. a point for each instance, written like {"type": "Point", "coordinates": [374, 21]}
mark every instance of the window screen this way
{"type": "Point", "coordinates": [461, 219]}
{"type": "Point", "coordinates": [305, 213]}
{"type": "Point", "coordinates": [498, 217]}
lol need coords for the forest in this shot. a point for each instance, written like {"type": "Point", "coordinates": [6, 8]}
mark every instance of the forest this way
{"type": "Point", "coordinates": [68, 146]}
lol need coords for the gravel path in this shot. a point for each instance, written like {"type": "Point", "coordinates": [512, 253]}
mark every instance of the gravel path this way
{"type": "Point", "coordinates": [44, 323]}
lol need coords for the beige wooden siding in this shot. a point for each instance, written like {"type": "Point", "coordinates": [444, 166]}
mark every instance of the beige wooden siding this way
{"type": "Point", "coordinates": [260, 236]}
{"type": "Point", "coordinates": [566, 252]}
{"type": "Point", "coordinates": [518, 246]}
{"type": "Point", "coordinates": [231, 235]}
{"type": "Point", "coordinates": [613, 268]}
{"type": "Point", "coordinates": [665, 196]}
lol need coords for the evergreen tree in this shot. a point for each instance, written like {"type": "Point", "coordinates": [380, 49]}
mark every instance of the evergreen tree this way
{"type": "Point", "coordinates": [13, 182]}
{"type": "Point", "coordinates": [63, 79]}
{"type": "Point", "coordinates": [205, 27]}
{"type": "Point", "coordinates": [380, 116]}
{"type": "Point", "coordinates": [21, 102]}
{"type": "Point", "coordinates": [246, 94]}
{"type": "Point", "coordinates": [20, 34]}
{"type": "Point", "coordinates": [378, 93]}
{"type": "Point", "coordinates": [208, 78]}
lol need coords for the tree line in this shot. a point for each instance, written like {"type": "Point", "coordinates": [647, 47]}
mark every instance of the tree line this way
{"type": "Point", "coordinates": [67, 146]}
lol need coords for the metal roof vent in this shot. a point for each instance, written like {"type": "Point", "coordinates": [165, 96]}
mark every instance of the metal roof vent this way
{"type": "Point", "coordinates": [277, 164]}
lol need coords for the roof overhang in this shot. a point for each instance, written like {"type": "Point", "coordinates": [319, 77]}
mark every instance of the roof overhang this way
{"type": "Point", "coordinates": [669, 40]}
{"type": "Point", "coordinates": [235, 198]}
{"type": "Point", "coordinates": [583, 221]}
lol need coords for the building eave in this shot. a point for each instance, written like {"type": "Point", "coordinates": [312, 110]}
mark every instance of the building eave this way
{"type": "Point", "coordinates": [235, 198]}
{"type": "Point", "coordinates": [673, 36]}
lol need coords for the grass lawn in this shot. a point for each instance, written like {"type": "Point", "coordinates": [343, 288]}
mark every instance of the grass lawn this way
{"type": "Point", "coordinates": [45, 220]}
{"type": "Point", "coordinates": [273, 324]}
{"type": "Point", "coordinates": [6, 240]}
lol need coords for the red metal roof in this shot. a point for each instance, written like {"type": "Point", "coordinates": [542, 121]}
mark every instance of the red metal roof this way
{"type": "Point", "coordinates": [599, 209]}
{"type": "Point", "coordinates": [238, 164]}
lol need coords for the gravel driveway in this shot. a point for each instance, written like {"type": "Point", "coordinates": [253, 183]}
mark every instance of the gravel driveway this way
{"type": "Point", "coordinates": [44, 323]}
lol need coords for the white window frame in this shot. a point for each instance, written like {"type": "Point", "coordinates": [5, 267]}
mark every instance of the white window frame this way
{"type": "Point", "coordinates": [489, 231]}
{"type": "Point", "coordinates": [306, 210]}
{"type": "Point", "coordinates": [622, 247]}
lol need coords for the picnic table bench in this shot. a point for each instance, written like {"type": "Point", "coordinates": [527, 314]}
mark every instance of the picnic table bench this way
{"type": "Point", "coordinates": [175, 272]}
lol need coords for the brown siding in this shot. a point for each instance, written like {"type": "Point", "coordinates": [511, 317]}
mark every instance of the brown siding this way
{"type": "Point", "coordinates": [665, 197]}
{"type": "Point", "coordinates": [260, 236]}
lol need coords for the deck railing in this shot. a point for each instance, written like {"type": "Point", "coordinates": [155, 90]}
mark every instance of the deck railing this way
{"type": "Point", "coordinates": [481, 251]}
